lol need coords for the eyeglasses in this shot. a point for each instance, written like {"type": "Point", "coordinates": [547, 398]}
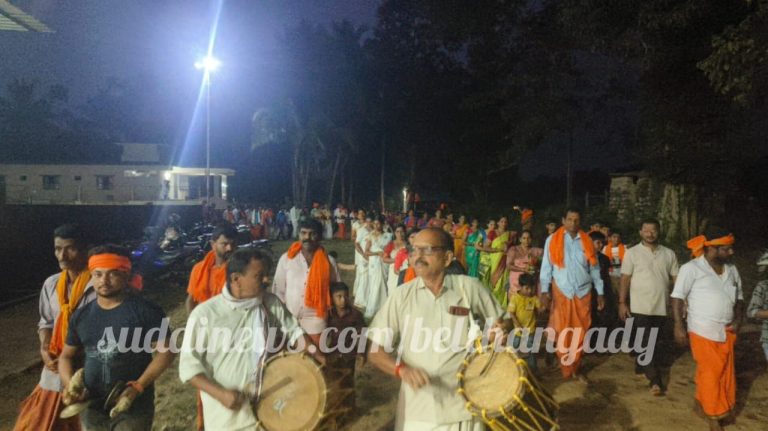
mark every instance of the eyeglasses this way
{"type": "Point", "coordinates": [425, 251]}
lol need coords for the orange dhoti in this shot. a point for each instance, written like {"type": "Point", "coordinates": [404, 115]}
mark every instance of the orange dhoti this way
{"type": "Point", "coordinates": [571, 317]}
{"type": "Point", "coordinates": [715, 374]}
{"type": "Point", "coordinates": [40, 412]}
{"type": "Point", "coordinates": [342, 232]}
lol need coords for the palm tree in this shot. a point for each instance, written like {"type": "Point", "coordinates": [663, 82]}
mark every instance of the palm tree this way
{"type": "Point", "coordinates": [285, 125]}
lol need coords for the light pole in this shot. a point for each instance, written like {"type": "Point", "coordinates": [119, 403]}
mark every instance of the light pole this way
{"type": "Point", "coordinates": [208, 65]}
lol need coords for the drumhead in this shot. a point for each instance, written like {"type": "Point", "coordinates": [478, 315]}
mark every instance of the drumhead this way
{"type": "Point", "coordinates": [293, 394]}
{"type": "Point", "coordinates": [498, 386]}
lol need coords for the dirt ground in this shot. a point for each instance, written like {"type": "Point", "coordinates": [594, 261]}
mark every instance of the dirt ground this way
{"type": "Point", "coordinates": [613, 399]}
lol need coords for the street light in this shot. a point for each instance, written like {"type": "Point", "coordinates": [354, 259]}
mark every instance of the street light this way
{"type": "Point", "coordinates": [405, 200]}
{"type": "Point", "coordinates": [208, 65]}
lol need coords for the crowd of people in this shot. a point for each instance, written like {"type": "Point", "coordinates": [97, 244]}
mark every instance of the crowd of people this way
{"type": "Point", "coordinates": [438, 270]}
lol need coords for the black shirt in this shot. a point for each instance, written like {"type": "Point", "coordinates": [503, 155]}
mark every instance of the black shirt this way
{"type": "Point", "coordinates": [117, 342]}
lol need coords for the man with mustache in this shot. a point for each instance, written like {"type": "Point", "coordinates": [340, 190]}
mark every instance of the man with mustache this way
{"type": "Point", "coordinates": [710, 287]}
{"type": "Point", "coordinates": [647, 272]}
{"type": "Point", "coordinates": [208, 278]}
{"type": "Point", "coordinates": [569, 269]}
{"type": "Point", "coordinates": [303, 279]}
{"type": "Point", "coordinates": [433, 302]}
{"type": "Point", "coordinates": [209, 275]}
{"type": "Point", "coordinates": [62, 294]}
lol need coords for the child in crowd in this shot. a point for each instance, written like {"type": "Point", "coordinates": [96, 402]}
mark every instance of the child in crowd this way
{"type": "Point", "coordinates": [615, 250]}
{"type": "Point", "coordinates": [758, 306]}
{"type": "Point", "coordinates": [344, 325]}
{"type": "Point", "coordinates": [607, 317]}
{"type": "Point", "coordinates": [523, 307]}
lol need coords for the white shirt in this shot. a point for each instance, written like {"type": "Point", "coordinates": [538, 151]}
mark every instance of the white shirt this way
{"type": "Point", "coordinates": [224, 361]}
{"type": "Point", "coordinates": [710, 297]}
{"type": "Point", "coordinates": [405, 315]}
{"type": "Point", "coordinates": [49, 312]}
{"type": "Point", "coordinates": [651, 272]}
{"type": "Point", "coordinates": [290, 283]}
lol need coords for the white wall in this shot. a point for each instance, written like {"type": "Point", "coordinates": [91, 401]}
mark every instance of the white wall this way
{"type": "Point", "coordinates": [124, 188]}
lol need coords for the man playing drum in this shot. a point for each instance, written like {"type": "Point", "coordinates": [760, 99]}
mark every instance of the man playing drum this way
{"type": "Point", "coordinates": [246, 314]}
{"type": "Point", "coordinates": [417, 313]}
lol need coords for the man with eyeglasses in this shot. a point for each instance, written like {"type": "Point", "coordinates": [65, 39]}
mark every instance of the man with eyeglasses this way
{"type": "Point", "coordinates": [432, 305]}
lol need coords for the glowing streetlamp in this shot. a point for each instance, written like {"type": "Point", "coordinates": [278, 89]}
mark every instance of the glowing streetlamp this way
{"type": "Point", "coordinates": [405, 200]}
{"type": "Point", "coordinates": [208, 65]}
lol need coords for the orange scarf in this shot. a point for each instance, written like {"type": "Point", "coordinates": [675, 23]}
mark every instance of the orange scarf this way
{"type": "Point", "coordinates": [198, 288]}
{"type": "Point", "coordinates": [608, 251]}
{"type": "Point", "coordinates": [557, 248]}
{"type": "Point", "coordinates": [410, 274]}
{"type": "Point", "coordinates": [317, 295]}
{"type": "Point", "coordinates": [698, 243]}
{"type": "Point", "coordinates": [67, 307]}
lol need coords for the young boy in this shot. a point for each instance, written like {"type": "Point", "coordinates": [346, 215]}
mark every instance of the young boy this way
{"type": "Point", "coordinates": [605, 318]}
{"type": "Point", "coordinates": [344, 325]}
{"type": "Point", "coordinates": [758, 306]}
{"type": "Point", "coordinates": [615, 250]}
{"type": "Point", "coordinates": [523, 307]}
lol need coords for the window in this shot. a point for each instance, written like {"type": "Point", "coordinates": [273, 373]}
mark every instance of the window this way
{"type": "Point", "coordinates": [23, 178]}
{"type": "Point", "coordinates": [104, 182]}
{"type": "Point", "coordinates": [78, 178]}
{"type": "Point", "coordinates": [51, 182]}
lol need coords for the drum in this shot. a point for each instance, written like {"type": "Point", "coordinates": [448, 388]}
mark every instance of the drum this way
{"type": "Point", "coordinates": [500, 389]}
{"type": "Point", "coordinates": [296, 396]}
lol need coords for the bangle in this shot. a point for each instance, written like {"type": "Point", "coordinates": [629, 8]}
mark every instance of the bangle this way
{"type": "Point", "coordinates": [136, 385]}
{"type": "Point", "coordinates": [399, 366]}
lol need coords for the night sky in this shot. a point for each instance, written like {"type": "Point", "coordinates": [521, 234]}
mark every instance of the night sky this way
{"type": "Point", "coordinates": [99, 39]}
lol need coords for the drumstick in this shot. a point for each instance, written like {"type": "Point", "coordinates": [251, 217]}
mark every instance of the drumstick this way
{"type": "Point", "coordinates": [277, 386]}
{"type": "Point", "coordinates": [488, 364]}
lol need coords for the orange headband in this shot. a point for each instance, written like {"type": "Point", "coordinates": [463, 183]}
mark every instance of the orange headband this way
{"type": "Point", "coordinates": [109, 261]}
{"type": "Point", "coordinates": [698, 243]}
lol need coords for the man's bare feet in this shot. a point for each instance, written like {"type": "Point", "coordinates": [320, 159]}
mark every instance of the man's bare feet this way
{"type": "Point", "coordinates": [714, 425]}
{"type": "Point", "coordinates": [698, 411]}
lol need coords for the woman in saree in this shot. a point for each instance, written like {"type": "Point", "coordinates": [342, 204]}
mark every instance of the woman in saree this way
{"type": "Point", "coordinates": [390, 252]}
{"type": "Point", "coordinates": [474, 237]}
{"type": "Point", "coordinates": [521, 259]}
{"type": "Point", "coordinates": [485, 258]}
{"type": "Point", "coordinates": [497, 276]}
{"type": "Point", "coordinates": [459, 237]}
{"type": "Point", "coordinates": [376, 289]}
